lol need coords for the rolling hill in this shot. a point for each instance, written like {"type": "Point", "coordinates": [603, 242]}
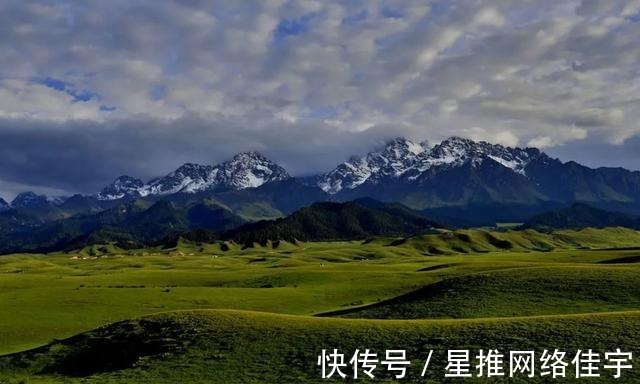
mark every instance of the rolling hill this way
{"type": "Point", "coordinates": [222, 346]}
{"type": "Point", "coordinates": [358, 219]}
{"type": "Point", "coordinates": [137, 223]}
{"type": "Point", "coordinates": [581, 216]}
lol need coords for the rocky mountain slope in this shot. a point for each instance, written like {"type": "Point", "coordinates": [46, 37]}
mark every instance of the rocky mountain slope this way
{"type": "Point", "coordinates": [245, 170]}
{"type": "Point", "coordinates": [460, 172]}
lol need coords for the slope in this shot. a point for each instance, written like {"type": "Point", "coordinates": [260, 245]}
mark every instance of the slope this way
{"type": "Point", "coordinates": [581, 215]}
{"type": "Point", "coordinates": [335, 221]}
{"type": "Point", "coordinates": [222, 346]}
{"type": "Point", "coordinates": [133, 224]}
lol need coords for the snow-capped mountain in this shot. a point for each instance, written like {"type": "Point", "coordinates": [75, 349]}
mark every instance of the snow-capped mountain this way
{"type": "Point", "coordinates": [406, 161]}
{"type": "Point", "coordinates": [244, 170]}
{"type": "Point", "coordinates": [458, 179]}
{"type": "Point", "coordinates": [249, 170]}
{"type": "Point", "coordinates": [121, 187]}
{"type": "Point", "coordinates": [456, 151]}
{"type": "Point", "coordinates": [396, 158]}
{"type": "Point", "coordinates": [188, 178]}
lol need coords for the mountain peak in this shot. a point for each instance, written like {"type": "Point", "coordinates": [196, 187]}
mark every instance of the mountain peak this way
{"type": "Point", "coordinates": [27, 199]}
{"type": "Point", "coordinates": [189, 167]}
{"type": "Point", "coordinates": [397, 156]}
{"type": "Point", "coordinates": [125, 179]}
{"type": "Point", "coordinates": [456, 150]}
{"type": "Point", "coordinates": [250, 170]}
{"type": "Point", "coordinates": [121, 187]}
{"type": "Point", "coordinates": [244, 170]}
{"type": "Point", "coordinates": [403, 159]}
{"type": "Point", "coordinates": [250, 155]}
{"type": "Point", "coordinates": [458, 140]}
{"type": "Point", "coordinates": [405, 145]}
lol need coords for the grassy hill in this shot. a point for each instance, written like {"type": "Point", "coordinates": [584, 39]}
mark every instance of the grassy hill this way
{"type": "Point", "coordinates": [544, 290]}
{"type": "Point", "coordinates": [132, 225]}
{"type": "Point", "coordinates": [249, 347]}
{"type": "Point", "coordinates": [326, 221]}
{"type": "Point", "coordinates": [452, 289]}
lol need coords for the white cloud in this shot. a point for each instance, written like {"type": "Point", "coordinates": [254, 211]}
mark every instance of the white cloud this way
{"type": "Point", "coordinates": [540, 142]}
{"type": "Point", "coordinates": [506, 138]}
{"type": "Point", "coordinates": [28, 100]}
{"type": "Point", "coordinates": [489, 16]}
{"type": "Point", "coordinates": [539, 72]}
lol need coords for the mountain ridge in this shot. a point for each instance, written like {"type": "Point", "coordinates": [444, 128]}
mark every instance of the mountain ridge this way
{"type": "Point", "coordinates": [458, 180]}
{"type": "Point", "coordinates": [460, 172]}
{"type": "Point", "coordinates": [135, 223]}
{"type": "Point", "coordinates": [330, 221]}
{"type": "Point", "coordinates": [579, 216]}
{"type": "Point", "coordinates": [244, 170]}
{"type": "Point", "coordinates": [408, 161]}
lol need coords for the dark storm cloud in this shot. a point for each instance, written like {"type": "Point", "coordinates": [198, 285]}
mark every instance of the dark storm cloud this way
{"type": "Point", "coordinates": [93, 89]}
{"type": "Point", "coordinates": [596, 153]}
{"type": "Point", "coordinates": [83, 156]}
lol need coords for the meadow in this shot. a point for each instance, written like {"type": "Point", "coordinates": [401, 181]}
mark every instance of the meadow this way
{"type": "Point", "coordinates": [226, 313]}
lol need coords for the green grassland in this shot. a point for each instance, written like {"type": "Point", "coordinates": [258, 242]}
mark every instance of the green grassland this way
{"type": "Point", "coordinates": [226, 313]}
{"type": "Point", "coordinates": [223, 346]}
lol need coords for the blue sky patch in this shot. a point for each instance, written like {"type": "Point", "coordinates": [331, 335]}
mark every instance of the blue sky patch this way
{"type": "Point", "coordinates": [293, 27]}
{"type": "Point", "coordinates": [326, 112]}
{"type": "Point", "coordinates": [392, 13]}
{"type": "Point", "coordinates": [104, 108]}
{"type": "Point", "coordinates": [81, 95]}
{"type": "Point", "coordinates": [355, 18]}
{"type": "Point", "coordinates": [52, 83]}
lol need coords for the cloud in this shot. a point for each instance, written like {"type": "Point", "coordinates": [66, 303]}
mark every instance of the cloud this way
{"type": "Point", "coordinates": [84, 155]}
{"type": "Point", "coordinates": [540, 142]}
{"type": "Point", "coordinates": [528, 110]}
{"type": "Point", "coordinates": [506, 138]}
{"type": "Point", "coordinates": [89, 90]}
{"type": "Point", "coordinates": [30, 100]}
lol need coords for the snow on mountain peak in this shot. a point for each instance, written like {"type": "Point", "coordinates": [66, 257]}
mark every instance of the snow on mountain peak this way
{"type": "Point", "coordinates": [393, 159]}
{"type": "Point", "coordinates": [244, 170]}
{"type": "Point", "coordinates": [403, 158]}
{"type": "Point", "coordinates": [250, 170]}
{"type": "Point", "coordinates": [455, 151]}
{"type": "Point", "coordinates": [121, 187]}
{"type": "Point", "coordinates": [399, 147]}
{"type": "Point", "coordinates": [398, 158]}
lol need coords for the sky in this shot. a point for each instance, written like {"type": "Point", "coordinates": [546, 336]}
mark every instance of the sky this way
{"type": "Point", "coordinates": [90, 90]}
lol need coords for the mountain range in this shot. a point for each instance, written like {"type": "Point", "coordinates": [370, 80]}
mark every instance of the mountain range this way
{"type": "Point", "coordinates": [358, 219]}
{"type": "Point", "coordinates": [130, 224]}
{"type": "Point", "coordinates": [140, 223]}
{"type": "Point", "coordinates": [579, 216]}
{"type": "Point", "coordinates": [245, 170]}
{"type": "Point", "coordinates": [456, 172]}
{"type": "Point", "coordinates": [457, 182]}
{"type": "Point", "coordinates": [464, 176]}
